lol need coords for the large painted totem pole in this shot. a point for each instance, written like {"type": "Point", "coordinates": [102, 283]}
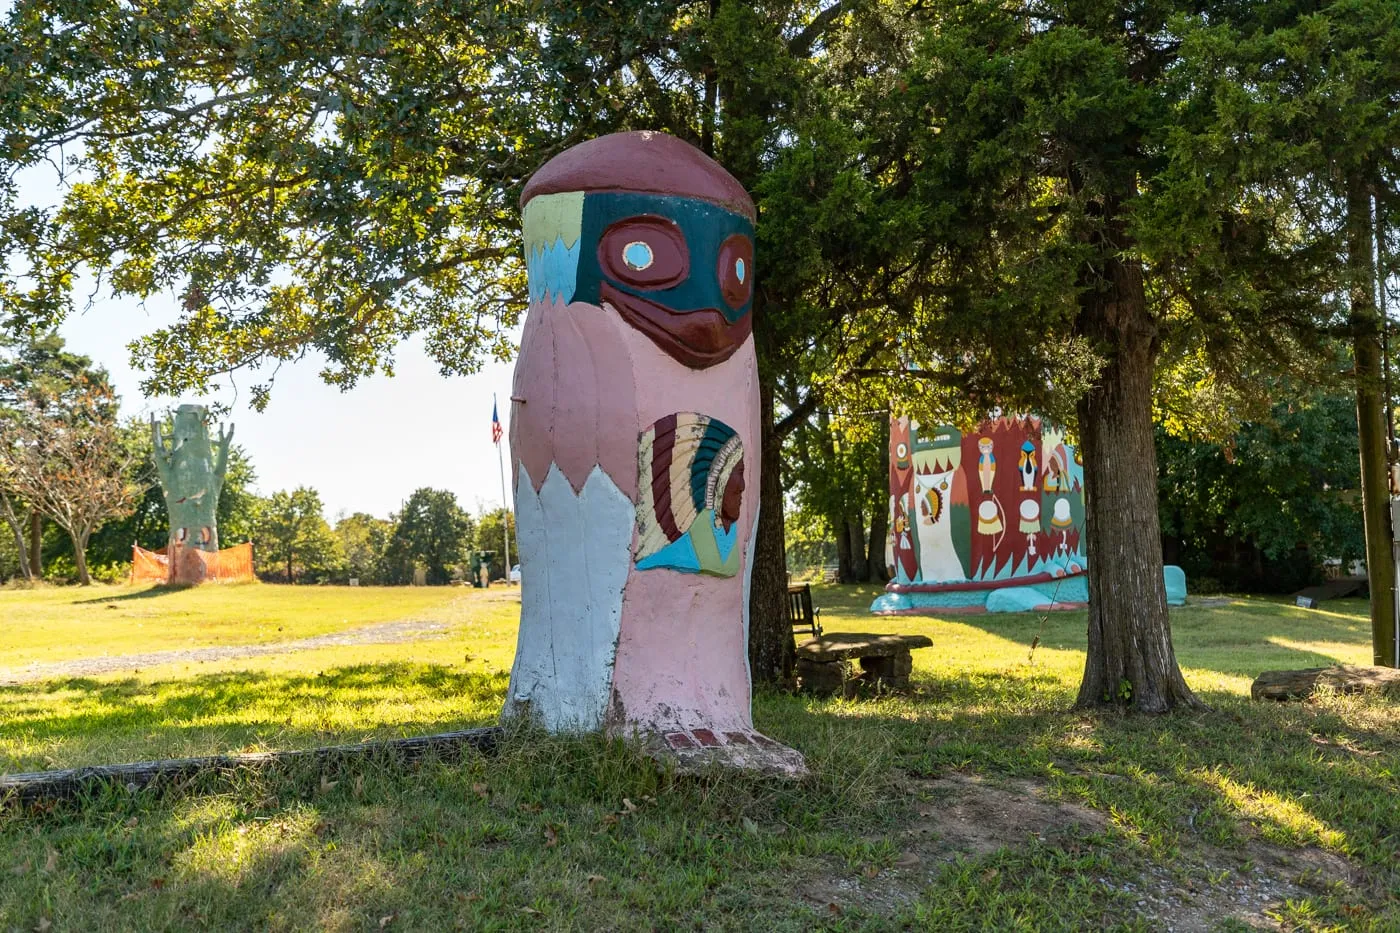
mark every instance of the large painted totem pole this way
{"type": "Point", "coordinates": [634, 431]}
{"type": "Point", "coordinates": [191, 476]}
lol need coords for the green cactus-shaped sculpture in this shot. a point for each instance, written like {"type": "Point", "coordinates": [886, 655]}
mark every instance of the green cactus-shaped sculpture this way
{"type": "Point", "coordinates": [191, 478]}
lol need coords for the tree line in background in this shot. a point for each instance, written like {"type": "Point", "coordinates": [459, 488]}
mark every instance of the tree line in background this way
{"type": "Point", "coordinates": [78, 487]}
{"type": "Point", "coordinates": [1258, 511]}
{"type": "Point", "coordinates": [1096, 211]}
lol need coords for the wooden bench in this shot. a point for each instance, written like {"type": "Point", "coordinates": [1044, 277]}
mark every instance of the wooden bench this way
{"type": "Point", "coordinates": [822, 662]}
{"type": "Point", "coordinates": [801, 615]}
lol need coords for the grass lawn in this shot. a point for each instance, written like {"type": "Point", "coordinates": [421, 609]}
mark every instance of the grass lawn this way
{"type": "Point", "coordinates": [978, 801]}
{"type": "Point", "coordinates": [57, 623]}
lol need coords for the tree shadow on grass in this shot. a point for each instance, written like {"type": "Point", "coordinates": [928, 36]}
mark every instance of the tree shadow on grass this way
{"type": "Point", "coordinates": [1300, 774]}
{"type": "Point", "coordinates": [152, 592]}
{"type": "Point", "coordinates": [1239, 640]}
{"type": "Point", "coordinates": [82, 721]}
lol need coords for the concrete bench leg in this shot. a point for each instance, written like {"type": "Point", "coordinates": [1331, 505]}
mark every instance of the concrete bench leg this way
{"type": "Point", "coordinates": [821, 677]}
{"type": "Point", "coordinates": [893, 672]}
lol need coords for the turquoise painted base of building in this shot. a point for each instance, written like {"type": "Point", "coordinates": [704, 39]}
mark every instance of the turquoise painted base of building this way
{"type": "Point", "coordinates": [1064, 593]}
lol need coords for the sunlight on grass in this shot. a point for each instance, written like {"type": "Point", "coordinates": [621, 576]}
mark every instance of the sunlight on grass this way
{"type": "Point", "coordinates": [1327, 651]}
{"type": "Point", "coordinates": [1278, 818]}
{"type": "Point", "coordinates": [51, 624]}
{"type": "Point", "coordinates": [233, 850]}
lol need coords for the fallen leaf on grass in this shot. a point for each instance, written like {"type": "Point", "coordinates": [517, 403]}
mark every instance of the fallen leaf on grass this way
{"type": "Point", "coordinates": [385, 920]}
{"type": "Point", "coordinates": [131, 823]}
{"type": "Point", "coordinates": [481, 790]}
{"type": "Point", "coordinates": [51, 863]}
{"type": "Point", "coordinates": [871, 871]}
{"type": "Point", "coordinates": [530, 910]}
{"type": "Point", "coordinates": [629, 805]}
{"type": "Point", "coordinates": [907, 860]}
{"type": "Point", "coordinates": [531, 807]}
{"type": "Point", "coordinates": [750, 826]}
{"type": "Point", "coordinates": [327, 785]}
{"type": "Point", "coordinates": [596, 879]}
{"type": "Point", "coordinates": [551, 837]}
{"type": "Point", "coordinates": [468, 898]}
{"type": "Point", "coordinates": [833, 908]}
{"type": "Point", "coordinates": [44, 925]}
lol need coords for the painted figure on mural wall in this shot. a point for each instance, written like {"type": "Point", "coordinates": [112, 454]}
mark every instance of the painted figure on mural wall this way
{"type": "Point", "coordinates": [634, 429]}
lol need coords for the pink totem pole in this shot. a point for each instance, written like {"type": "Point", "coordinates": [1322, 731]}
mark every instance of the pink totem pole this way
{"type": "Point", "coordinates": [634, 431]}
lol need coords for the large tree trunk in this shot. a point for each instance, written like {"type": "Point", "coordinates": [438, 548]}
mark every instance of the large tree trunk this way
{"type": "Point", "coordinates": [1370, 423]}
{"type": "Point", "coordinates": [845, 572]}
{"type": "Point", "coordinates": [860, 567]}
{"type": "Point", "coordinates": [877, 568]}
{"type": "Point", "coordinates": [36, 544]}
{"type": "Point", "coordinates": [771, 645]}
{"type": "Point", "coordinates": [80, 541]}
{"type": "Point", "coordinates": [1130, 660]}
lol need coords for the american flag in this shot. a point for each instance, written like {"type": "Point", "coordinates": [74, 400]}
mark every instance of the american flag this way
{"type": "Point", "coordinates": [495, 424]}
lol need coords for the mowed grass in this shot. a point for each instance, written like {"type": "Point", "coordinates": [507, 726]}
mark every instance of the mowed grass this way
{"type": "Point", "coordinates": [59, 623]}
{"type": "Point", "coordinates": [557, 834]}
{"type": "Point", "coordinates": [443, 680]}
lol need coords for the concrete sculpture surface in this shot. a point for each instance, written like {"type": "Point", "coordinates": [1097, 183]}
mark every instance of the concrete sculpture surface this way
{"type": "Point", "coordinates": [634, 439]}
{"type": "Point", "coordinates": [191, 474]}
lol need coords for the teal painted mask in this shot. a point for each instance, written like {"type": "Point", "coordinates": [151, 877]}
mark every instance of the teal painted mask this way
{"type": "Point", "coordinates": [678, 269]}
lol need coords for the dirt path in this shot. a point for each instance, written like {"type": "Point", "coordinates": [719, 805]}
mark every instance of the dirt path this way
{"type": "Point", "coordinates": [384, 633]}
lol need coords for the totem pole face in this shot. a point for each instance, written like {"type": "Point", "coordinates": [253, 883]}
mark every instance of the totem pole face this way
{"type": "Point", "coordinates": [676, 264]}
{"type": "Point", "coordinates": [675, 261]}
{"type": "Point", "coordinates": [190, 425]}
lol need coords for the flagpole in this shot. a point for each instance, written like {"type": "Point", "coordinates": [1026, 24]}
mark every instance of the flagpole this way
{"type": "Point", "coordinates": [505, 503]}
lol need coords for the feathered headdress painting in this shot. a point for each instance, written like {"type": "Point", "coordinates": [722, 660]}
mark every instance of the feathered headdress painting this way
{"type": "Point", "coordinates": [691, 488]}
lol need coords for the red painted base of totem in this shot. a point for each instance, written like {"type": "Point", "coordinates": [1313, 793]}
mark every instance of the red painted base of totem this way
{"type": "Point", "coordinates": [701, 749]}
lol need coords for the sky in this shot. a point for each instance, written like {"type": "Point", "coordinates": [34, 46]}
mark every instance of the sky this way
{"type": "Point", "coordinates": [365, 450]}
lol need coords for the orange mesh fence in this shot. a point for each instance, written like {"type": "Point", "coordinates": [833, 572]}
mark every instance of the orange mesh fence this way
{"type": "Point", "coordinates": [148, 566]}
{"type": "Point", "coordinates": [231, 565]}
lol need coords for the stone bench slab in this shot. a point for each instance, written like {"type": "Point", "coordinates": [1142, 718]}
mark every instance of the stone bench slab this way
{"type": "Point", "coordinates": [842, 646]}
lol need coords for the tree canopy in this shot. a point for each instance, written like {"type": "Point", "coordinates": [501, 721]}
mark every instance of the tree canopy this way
{"type": "Point", "coordinates": [291, 534]}
{"type": "Point", "coordinates": [431, 531]}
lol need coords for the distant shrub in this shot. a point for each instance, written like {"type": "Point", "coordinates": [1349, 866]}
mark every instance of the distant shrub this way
{"type": "Point", "coordinates": [116, 571]}
{"type": "Point", "coordinates": [61, 569]}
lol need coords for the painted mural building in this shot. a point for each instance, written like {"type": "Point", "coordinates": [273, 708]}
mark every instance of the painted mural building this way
{"type": "Point", "coordinates": [989, 520]}
{"type": "Point", "coordinates": [974, 514]}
